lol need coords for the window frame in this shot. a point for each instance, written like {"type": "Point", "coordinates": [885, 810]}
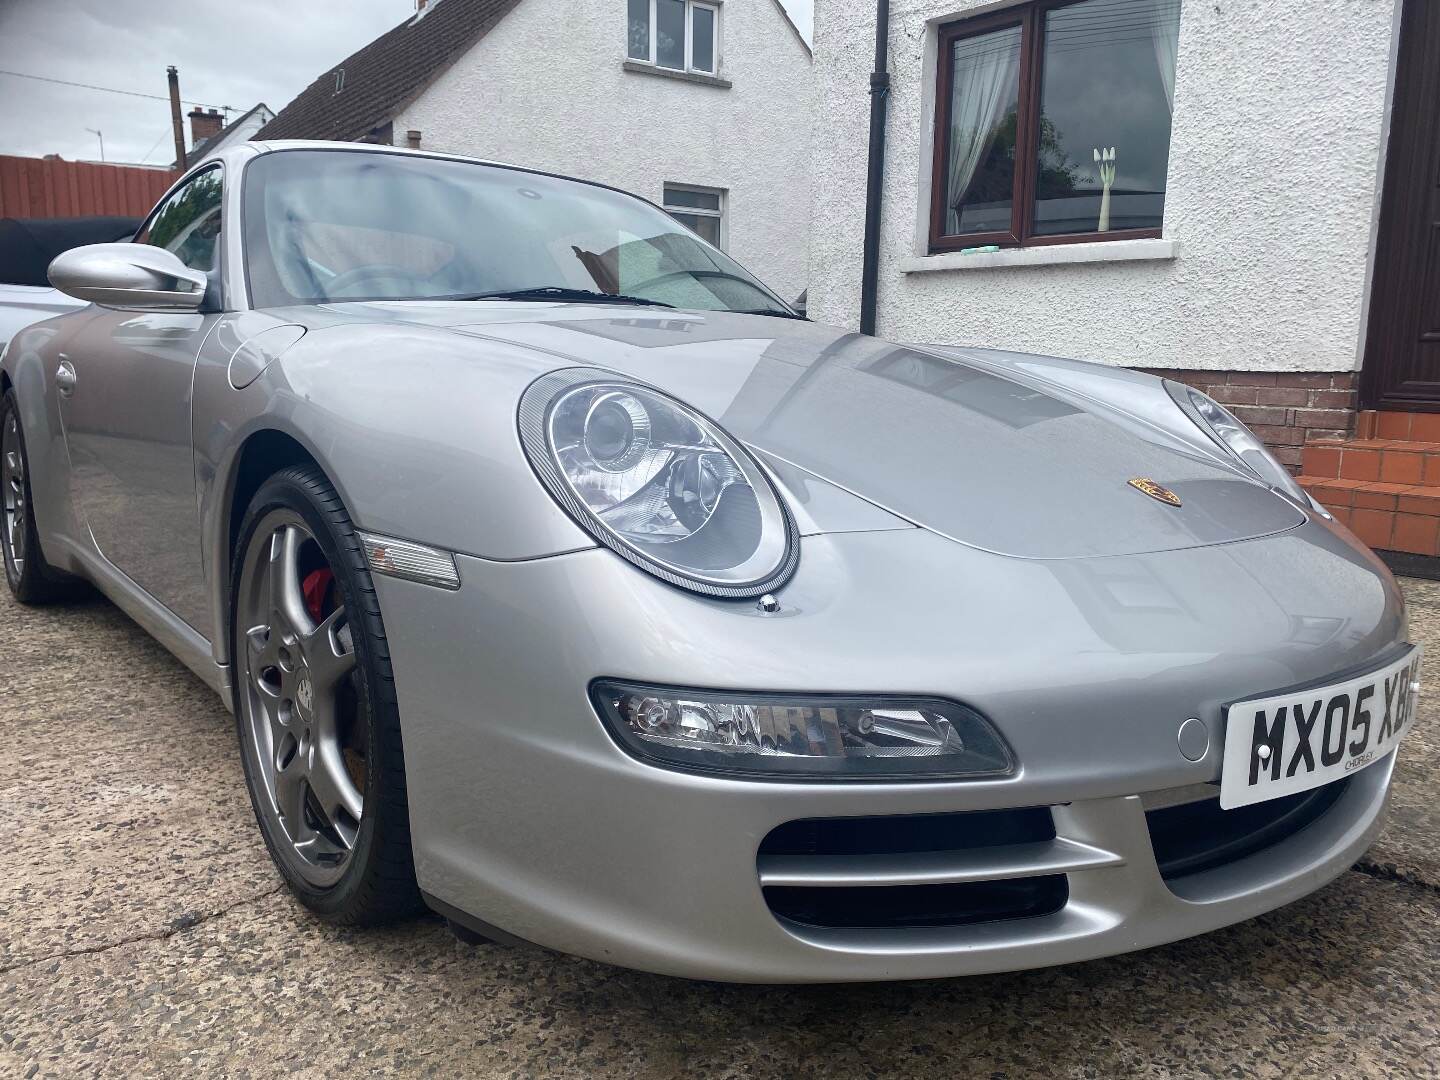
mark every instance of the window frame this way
{"type": "Point", "coordinates": [714, 9]}
{"type": "Point", "coordinates": [651, 56]}
{"type": "Point", "coordinates": [697, 211]}
{"type": "Point", "coordinates": [179, 186]}
{"type": "Point", "coordinates": [1030, 17]}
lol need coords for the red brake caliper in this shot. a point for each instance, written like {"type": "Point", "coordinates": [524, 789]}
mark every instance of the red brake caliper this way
{"type": "Point", "coordinates": [316, 587]}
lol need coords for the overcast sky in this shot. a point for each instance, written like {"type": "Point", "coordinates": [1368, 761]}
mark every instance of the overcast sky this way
{"type": "Point", "coordinates": [228, 53]}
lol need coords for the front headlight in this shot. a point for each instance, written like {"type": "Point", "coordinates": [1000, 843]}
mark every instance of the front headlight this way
{"type": "Point", "coordinates": [798, 736]}
{"type": "Point", "coordinates": [1236, 439]}
{"type": "Point", "coordinates": [657, 483]}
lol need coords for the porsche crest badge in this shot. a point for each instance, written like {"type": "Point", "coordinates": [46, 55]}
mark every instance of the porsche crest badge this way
{"type": "Point", "coordinates": [1155, 491]}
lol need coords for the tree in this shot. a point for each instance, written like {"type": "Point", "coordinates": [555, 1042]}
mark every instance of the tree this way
{"type": "Point", "coordinates": [994, 179]}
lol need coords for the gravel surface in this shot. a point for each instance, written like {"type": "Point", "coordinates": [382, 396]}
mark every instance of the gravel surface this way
{"type": "Point", "coordinates": [144, 933]}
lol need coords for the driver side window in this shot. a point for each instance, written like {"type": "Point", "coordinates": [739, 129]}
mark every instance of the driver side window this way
{"type": "Point", "coordinates": [188, 222]}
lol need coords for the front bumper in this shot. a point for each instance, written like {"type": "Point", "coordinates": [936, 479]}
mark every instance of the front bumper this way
{"type": "Point", "coordinates": [527, 816]}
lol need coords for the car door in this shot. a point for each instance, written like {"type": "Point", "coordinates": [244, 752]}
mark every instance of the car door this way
{"type": "Point", "coordinates": [125, 396]}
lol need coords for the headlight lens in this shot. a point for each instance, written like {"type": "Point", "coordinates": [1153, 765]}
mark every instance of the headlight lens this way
{"type": "Point", "coordinates": [658, 483]}
{"type": "Point", "coordinates": [1236, 439]}
{"type": "Point", "coordinates": [783, 736]}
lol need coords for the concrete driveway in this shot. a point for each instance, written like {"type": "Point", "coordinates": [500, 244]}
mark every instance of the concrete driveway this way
{"type": "Point", "coordinates": [143, 932]}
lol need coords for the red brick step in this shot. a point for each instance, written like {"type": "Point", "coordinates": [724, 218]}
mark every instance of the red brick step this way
{"type": "Point", "coordinates": [1391, 461]}
{"type": "Point", "coordinates": [1405, 426]}
{"type": "Point", "coordinates": [1387, 515]}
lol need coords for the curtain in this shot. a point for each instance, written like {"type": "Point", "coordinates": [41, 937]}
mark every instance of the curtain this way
{"type": "Point", "coordinates": [1165, 30]}
{"type": "Point", "coordinates": [985, 82]}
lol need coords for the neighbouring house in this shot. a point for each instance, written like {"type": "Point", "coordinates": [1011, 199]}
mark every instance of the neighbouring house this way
{"type": "Point", "coordinates": [1241, 195]}
{"type": "Point", "coordinates": [209, 133]}
{"type": "Point", "coordinates": [702, 107]}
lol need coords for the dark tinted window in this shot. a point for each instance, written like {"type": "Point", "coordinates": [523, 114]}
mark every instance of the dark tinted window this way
{"type": "Point", "coordinates": [702, 40]}
{"type": "Point", "coordinates": [1106, 83]}
{"type": "Point", "coordinates": [188, 222]}
{"type": "Point", "coordinates": [1054, 120]}
{"type": "Point", "coordinates": [637, 30]}
{"type": "Point", "coordinates": [670, 33]}
{"type": "Point", "coordinates": [980, 166]}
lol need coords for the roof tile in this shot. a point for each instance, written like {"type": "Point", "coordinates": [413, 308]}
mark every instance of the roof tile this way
{"type": "Point", "coordinates": [387, 74]}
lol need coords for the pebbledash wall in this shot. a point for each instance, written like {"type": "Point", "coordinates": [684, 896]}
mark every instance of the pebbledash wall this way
{"type": "Point", "coordinates": [548, 88]}
{"type": "Point", "coordinates": [1257, 290]}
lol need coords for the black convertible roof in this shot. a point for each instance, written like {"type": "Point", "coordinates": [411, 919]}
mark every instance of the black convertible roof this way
{"type": "Point", "coordinates": [28, 244]}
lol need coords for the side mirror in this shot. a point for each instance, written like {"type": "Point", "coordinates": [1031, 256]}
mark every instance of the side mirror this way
{"type": "Point", "coordinates": [132, 277]}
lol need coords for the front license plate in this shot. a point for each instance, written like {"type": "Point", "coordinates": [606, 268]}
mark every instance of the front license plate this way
{"type": "Point", "coordinates": [1292, 742]}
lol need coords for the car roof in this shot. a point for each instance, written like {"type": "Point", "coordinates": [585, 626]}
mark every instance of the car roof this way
{"type": "Point", "coordinates": [272, 145]}
{"type": "Point", "coordinates": [28, 244]}
{"type": "Point", "coordinates": [237, 154]}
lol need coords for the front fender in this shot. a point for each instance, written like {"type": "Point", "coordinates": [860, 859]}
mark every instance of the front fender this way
{"type": "Point", "coordinates": [415, 428]}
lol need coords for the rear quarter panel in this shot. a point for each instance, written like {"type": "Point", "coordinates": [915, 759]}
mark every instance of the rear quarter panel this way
{"type": "Point", "coordinates": [29, 362]}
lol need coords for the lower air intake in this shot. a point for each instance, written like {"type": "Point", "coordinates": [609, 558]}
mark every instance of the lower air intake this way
{"type": "Point", "coordinates": [864, 870]}
{"type": "Point", "coordinates": [1199, 836]}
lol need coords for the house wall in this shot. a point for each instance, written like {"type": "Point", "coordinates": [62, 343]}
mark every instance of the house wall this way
{"type": "Point", "coordinates": [1279, 124]}
{"type": "Point", "coordinates": [546, 89]}
{"type": "Point", "coordinates": [244, 130]}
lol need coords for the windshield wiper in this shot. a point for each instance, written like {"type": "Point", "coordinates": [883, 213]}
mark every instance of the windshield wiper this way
{"type": "Point", "coordinates": [774, 313]}
{"type": "Point", "coordinates": [560, 292]}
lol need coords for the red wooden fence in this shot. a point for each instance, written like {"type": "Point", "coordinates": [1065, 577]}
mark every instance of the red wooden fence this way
{"type": "Point", "coordinates": [48, 188]}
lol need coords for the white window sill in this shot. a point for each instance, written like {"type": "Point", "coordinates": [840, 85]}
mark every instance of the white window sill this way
{"type": "Point", "coordinates": [1102, 251]}
{"type": "Point", "coordinates": [640, 67]}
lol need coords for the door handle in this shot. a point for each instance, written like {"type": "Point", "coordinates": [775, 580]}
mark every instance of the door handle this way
{"type": "Point", "coordinates": [65, 378]}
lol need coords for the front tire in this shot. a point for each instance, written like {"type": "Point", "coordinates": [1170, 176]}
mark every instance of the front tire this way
{"type": "Point", "coordinates": [31, 579]}
{"type": "Point", "coordinates": [315, 705]}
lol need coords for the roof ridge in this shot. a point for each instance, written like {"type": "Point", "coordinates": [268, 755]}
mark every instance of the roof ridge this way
{"type": "Point", "coordinates": [383, 76]}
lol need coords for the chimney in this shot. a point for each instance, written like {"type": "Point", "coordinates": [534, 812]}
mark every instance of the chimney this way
{"type": "Point", "coordinates": [412, 139]}
{"type": "Point", "coordinates": [204, 125]}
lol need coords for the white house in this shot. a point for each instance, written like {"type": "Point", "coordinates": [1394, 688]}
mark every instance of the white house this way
{"type": "Point", "coordinates": [1241, 191]}
{"type": "Point", "coordinates": [210, 134]}
{"type": "Point", "coordinates": [702, 106]}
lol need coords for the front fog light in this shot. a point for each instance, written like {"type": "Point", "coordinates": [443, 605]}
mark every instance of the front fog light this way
{"type": "Point", "coordinates": [815, 736]}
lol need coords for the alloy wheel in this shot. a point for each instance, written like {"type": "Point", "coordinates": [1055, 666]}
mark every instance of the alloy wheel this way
{"type": "Point", "coordinates": [12, 487]}
{"type": "Point", "coordinates": [300, 721]}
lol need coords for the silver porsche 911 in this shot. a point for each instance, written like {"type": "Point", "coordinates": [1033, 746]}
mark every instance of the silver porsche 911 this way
{"type": "Point", "coordinates": [562, 579]}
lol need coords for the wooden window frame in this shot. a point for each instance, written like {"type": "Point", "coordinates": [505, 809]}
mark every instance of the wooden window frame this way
{"type": "Point", "coordinates": [1030, 18]}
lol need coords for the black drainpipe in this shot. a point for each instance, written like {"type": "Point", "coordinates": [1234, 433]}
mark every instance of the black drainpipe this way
{"type": "Point", "coordinates": [879, 92]}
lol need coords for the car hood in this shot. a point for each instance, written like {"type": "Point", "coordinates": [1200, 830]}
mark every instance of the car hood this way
{"type": "Point", "coordinates": [990, 456]}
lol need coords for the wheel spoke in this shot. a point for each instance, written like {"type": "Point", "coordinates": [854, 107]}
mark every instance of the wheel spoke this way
{"type": "Point", "coordinates": [290, 786]}
{"type": "Point", "coordinates": [333, 788]}
{"type": "Point", "coordinates": [262, 652]}
{"type": "Point", "coordinates": [327, 657]}
{"type": "Point", "coordinates": [286, 602]}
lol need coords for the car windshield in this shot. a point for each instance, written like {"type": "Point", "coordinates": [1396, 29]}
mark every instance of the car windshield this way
{"type": "Point", "coordinates": [334, 225]}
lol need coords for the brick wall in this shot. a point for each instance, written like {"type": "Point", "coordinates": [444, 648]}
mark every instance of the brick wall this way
{"type": "Point", "coordinates": [1283, 408]}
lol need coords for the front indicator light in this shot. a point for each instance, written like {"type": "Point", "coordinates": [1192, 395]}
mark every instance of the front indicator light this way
{"type": "Point", "coordinates": [412, 562]}
{"type": "Point", "coordinates": [802, 737]}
